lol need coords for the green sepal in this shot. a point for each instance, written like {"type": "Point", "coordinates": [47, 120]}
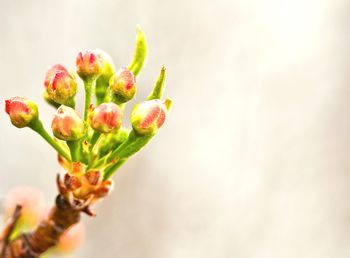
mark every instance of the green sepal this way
{"type": "Point", "coordinates": [159, 86]}
{"type": "Point", "coordinates": [140, 54]}
{"type": "Point", "coordinates": [70, 102]}
{"type": "Point", "coordinates": [119, 100]}
{"type": "Point", "coordinates": [50, 101]}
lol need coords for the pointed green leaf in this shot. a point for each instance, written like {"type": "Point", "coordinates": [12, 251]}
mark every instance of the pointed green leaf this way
{"type": "Point", "coordinates": [159, 86]}
{"type": "Point", "coordinates": [140, 54]}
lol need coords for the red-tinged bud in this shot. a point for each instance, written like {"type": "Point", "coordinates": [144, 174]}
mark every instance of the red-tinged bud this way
{"type": "Point", "coordinates": [60, 85]}
{"type": "Point", "coordinates": [67, 125]}
{"type": "Point", "coordinates": [89, 64]}
{"type": "Point", "coordinates": [106, 118]}
{"type": "Point", "coordinates": [71, 239]}
{"type": "Point", "coordinates": [22, 111]}
{"type": "Point", "coordinates": [32, 202]}
{"type": "Point", "coordinates": [123, 85]}
{"type": "Point", "coordinates": [147, 117]}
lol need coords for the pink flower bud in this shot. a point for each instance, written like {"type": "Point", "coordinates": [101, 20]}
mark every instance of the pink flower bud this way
{"type": "Point", "coordinates": [60, 84]}
{"type": "Point", "coordinates": [22, 111]}
{"type": "Point", "coordinates": [89, 64]}
{"type": "Point", "coordinates": [106, 118]}
{"type": "Point", "coordinates": [123, 85]}
{"type": "Point", "coordinates": [147, 117]}
{"type": "Point", "coordinates": [67, 125]}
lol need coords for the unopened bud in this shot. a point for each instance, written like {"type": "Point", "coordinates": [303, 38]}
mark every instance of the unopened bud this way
{"type": "Point", "coordinates": [147, 117]}
{"type": "Point", "coordinates": [22, 111]}
{"type": "Point", "coordinates": [89, 64]}
{"type": "Point", "coordinates": [123, 85]}
{"type": "Point", "coordinates": [60, 85]}
{"type": "Point", "coordinates": [106, 118]}
{"type": "Point", "coordinates": [67, 125]}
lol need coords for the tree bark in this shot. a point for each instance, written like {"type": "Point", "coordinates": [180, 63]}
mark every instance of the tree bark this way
{"type": "Point", "coordinates": [31, 245]}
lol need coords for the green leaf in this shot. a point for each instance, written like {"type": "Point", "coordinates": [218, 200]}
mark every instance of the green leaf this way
{"type": "Point", "coordinates": [159, 86]}
{"type": "Point", "coordinates": [132, 145]}
{"type": "Point", "coordinates": [113, 168]}
{"type": "Point", "coordinates": [140, 54]}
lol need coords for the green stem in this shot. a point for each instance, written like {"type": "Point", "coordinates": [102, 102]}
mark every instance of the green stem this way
{"type": "Point", "coordinates": [38, 127]}
{"type": "Point", "coordinates": [117, 101]}
{"type": "Point", "coordinates": [94, 138]}
{"type": "Point", "coordinates": [74, 147]}
{"type": "Point", "coordinates": [112, 169]}
{"type": "Point", "coordinates": [95, 141]}
{"type": "Point", "coordinates": [107, 97]}
{"type": "Point", "coordinates": [71, 103]}
{"type": "Point", "coordinates": [89, 85]}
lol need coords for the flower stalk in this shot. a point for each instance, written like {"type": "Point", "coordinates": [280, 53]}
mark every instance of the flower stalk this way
{"type": "Point", "coordinates": [89, 86]}
{"type": "Point", "coordinates": [38, 127]}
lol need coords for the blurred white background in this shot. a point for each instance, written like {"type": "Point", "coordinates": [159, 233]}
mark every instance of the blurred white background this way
{"type": "Point", "coordinates": [254, 158]}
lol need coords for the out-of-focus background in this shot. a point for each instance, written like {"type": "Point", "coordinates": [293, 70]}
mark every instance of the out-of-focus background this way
{"type": "Point", "coordinates": [254, 158]}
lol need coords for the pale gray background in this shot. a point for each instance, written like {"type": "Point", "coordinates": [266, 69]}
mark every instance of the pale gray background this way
{"type": "Point", "coordinates": [254, 158]}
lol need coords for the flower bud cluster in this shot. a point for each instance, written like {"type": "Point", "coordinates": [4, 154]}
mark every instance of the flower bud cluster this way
{"type": "Point", "coordinates": [92, 145]}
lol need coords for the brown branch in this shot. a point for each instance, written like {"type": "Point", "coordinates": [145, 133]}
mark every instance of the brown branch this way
{"type": "Point", "coordinates": [10, 226]}
{"type": "Point", "coordinates": [64, 214]}
{"type": "Point", "coordinates": [31, 245]}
